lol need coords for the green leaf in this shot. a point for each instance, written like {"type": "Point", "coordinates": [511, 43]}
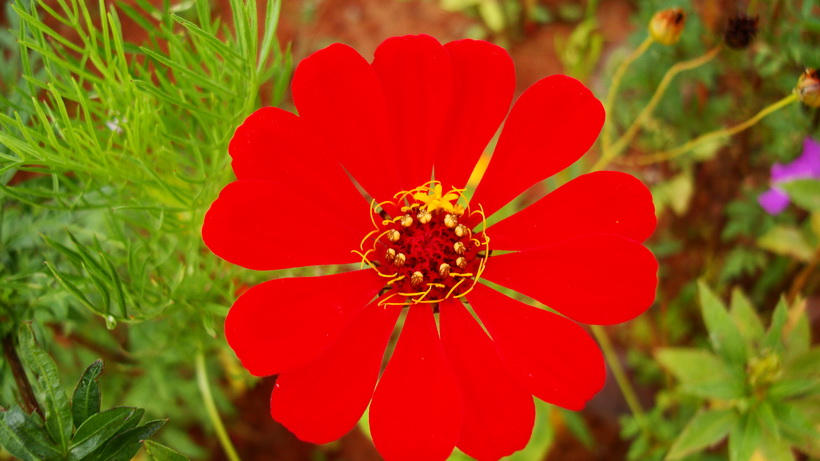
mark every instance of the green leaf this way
{"type": "Point", "coordinates": [745, 317]}
{"type": "Point", "coordinates": [101, 427]}
{"type": "Point", "coordinates": [23, 436]}
{"type": "Point", "coordinates": [744, 438]}
{"type": "Point", "coordinates": [787, 241]}
{"type": "Point", "coordinates": [159, 452]}
{"type": "Point", "coordinates": [805, 193]}
{"type": "Point", "coordinates": [773, 338]}
{"type": "Point", "coordinates": [704, 429]}
{"type": "Point", "coordinates": [50, 392]}
{"type": "Point", "coordinates": [805, 365]}
{"type": "Point", "coordinates": [124, 446]}
{"type": "Point", "coordinates": [86, 399]}
{"type": "Point", "coordinates": [702, 373]}
{"type": "Point", "coordinates": [724, 335]}
{"type": "Point", "coordinates": [795, 425]}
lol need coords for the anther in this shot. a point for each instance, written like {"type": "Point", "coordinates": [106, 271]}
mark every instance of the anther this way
{"type": "Point", "coordinates": [394, 235]}
{"type": "Point", "coordinates": [444, 270]}
{"type": "Point", "coordinates": [401, 259]}
{"type": "Point", "coordinates": [390, 255]}
{"type": "Point", "coordinates": [424, 216]}
{"type": "Point", "coordinates": [450, 221]}
{"type": "Point", "coordinates": [459, 247]}
{"type": "Point", "coordinates": [406, 221]}
{"type": "Point", "coordinates": [461, 262]}
{"type": "Point", "coordinates": [461, 230]}
{"type": "Point", "coordinates": [416, 278]}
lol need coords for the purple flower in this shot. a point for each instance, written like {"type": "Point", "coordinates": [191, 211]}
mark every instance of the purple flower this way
{"type": "Point", "coordinates": [806, 166]}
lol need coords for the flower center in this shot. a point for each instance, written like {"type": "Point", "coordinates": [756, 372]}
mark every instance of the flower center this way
{"type": "Point", "coordinates": [428, 251]}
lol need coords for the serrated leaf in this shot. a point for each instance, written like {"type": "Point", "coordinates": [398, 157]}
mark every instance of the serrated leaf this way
{"type": "Point", "coordinates": [158, 452]}
{"type": "Point", "coordinates": [124, 446]}
{"type": "Point", "coordinates": [744, 438]}
{"type": "Point", "coordinates": [805, 193]}
{"type": "Point", "coordinates": [704, 429]}
{"type": "Point", "coordinates": [724, 335]}
{"type": "Point", "coordinates": [23, 436]}
{"type": "Point", "coordinates": [745, 317]}
{"type": "Point", "coordinates": [86, 399]}
{"type": "Point", "coordinates": [101, 427]}
{"type": "Point", "coordinates": [702, 373]}
{"type": "Point", "coordinates": [50, 392]}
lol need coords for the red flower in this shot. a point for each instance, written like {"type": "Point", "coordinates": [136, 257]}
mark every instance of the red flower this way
{"type": "Point", "coordinates": [423, 109]}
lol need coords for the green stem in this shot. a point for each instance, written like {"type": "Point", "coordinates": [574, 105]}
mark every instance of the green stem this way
{"type": "Point", "coordinates": [616, 83]}
{"type": "Point", "coordinates": [691, 144]}
{"type": "Point", "coordinates": [210, 407]}
{"type": "Point", "coordinates": [620, 376]}
{"type": "Point", "coordinates": [629, 135]}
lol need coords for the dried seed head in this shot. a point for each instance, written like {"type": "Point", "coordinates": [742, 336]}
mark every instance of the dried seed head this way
{"type": "Point", "coordinates": [450, 221]}
{"type": "Point", "coordinates": [667, 25]}
{"type": "Point", "coordinates": [741, 31]}
{"type": "Point", "coordinates": [416, 278]}
{"type": "Point", "coordinates": [444, 270]}
{"type": "Point", "coordinates": [808, 88]}
{"type": "Point", "coordinates": [461, 262]}
{"type": "Point", "coordinates": [393, 235]}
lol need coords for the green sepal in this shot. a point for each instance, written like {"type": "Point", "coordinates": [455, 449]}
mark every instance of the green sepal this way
{"type": "Point", "coordinates": [704, 429]}
{"type": "Point", "coordinates": [124, 446]}
{"type": "Point", "coordinates": [744, 438]}
{"type": "Point", "coordinates": [159, 452]}
{"type": "Point", "coordinates": [86, 399]}
{"type": "Point", "coordinates": [22, 435]}
{"type": "Point", "coordinates": [50, 392]}
{"type": "Point", "coordinates": [101, 427]}
{"type": "Point", "coordinates": [724, 335]}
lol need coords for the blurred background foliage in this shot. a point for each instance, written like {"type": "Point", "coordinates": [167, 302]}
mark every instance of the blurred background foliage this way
{"type": "Point", "coordinates": [114, 123]}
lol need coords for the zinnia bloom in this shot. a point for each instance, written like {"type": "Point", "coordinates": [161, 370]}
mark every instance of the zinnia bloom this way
{"type": "Point", "coordinates": [408, 129]}
{"type": "Point", "coordinates": [806, 166]}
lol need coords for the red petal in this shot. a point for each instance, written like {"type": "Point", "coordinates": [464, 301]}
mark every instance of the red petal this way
{"type": "Point", "coordinates": [276, 145]}
{"type": "Point", "coordinates": [606, 202]}
{"type": "Point", "coordinates": [283, 324]}
{"type": "Point", "coordinates": [550, 127]}
{"type": "Point", "coordinates": [484, 84]}
{"type": "Point", "coordinates": [323, 400]}
{"type": "Point", "coordinates": [416, 409]}
{"type": "Point", "coordinates": [338, 92]}
{"type": "Point", "coordinates": [553, 357]}
{"type": "Point", "coordinates": [264, 226]}
{"type": "Point", "coordinates": [597, 279]}
{"type": "Point", "coordinates": [498, 412]}
{"type": "Point", "coordinates": [417, 78]}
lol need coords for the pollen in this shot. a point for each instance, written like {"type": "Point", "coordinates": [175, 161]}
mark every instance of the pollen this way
{"type": "Point", "coordinates": [418, 248]}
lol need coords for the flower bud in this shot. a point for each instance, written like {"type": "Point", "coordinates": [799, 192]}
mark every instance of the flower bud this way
{"type": "Point", "coordinates": [741, 31]}
{"type": "Point", "coordinates": [667, 25]}
{"type": "Point", "coordinates": [808, 88]}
